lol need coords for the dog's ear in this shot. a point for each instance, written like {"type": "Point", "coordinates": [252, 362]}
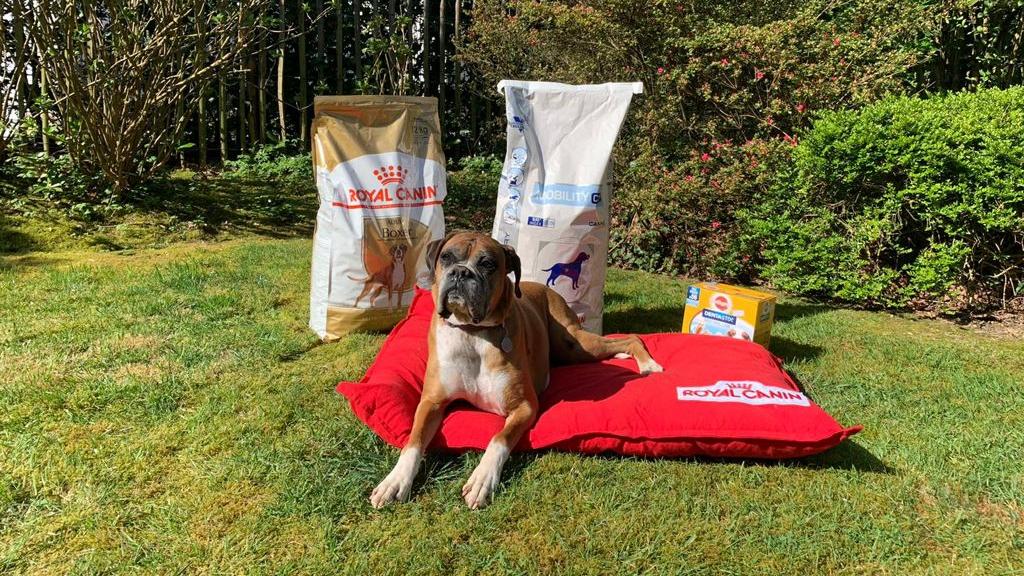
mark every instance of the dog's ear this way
{"type": "Point", "coordinates": [433, 249]}
{"type": "Point", "coordinates": [515, 266]}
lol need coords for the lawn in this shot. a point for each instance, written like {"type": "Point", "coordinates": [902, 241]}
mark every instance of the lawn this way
{"type": "Point", "coordinates": [168, 411]}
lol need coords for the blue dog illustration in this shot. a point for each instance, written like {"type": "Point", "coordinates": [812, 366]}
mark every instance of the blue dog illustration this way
{"type": "Point", "coordinates": [569, 269]}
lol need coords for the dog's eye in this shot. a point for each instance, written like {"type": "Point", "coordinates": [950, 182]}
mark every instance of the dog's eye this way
{"type": "Point", "coordinates": [447, 258]}
{"type": "Point", "coordinates": [486, 264]}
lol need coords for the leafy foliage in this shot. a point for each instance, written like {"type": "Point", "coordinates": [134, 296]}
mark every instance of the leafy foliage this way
{"type": "Point", "coordinates": [727, 86]}
{"type": "Point", "coordinates": [908, 202]}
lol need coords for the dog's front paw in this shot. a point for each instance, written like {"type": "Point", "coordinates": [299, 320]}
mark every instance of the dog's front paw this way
{"type": "Point", "coordinates": [397, 485]}
{"type": "Point", "coordinates": [649, 367]}
{"type": "Point", "coordinates": [481, 485]}
{"type": "Point", "coordinates": [393, 488]}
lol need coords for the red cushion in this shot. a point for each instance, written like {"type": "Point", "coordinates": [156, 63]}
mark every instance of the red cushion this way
{"type": "Point", "coordinates": [717, 397]}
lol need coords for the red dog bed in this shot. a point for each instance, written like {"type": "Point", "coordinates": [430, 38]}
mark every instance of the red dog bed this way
{"type": "Point", "coordinates": [717, 397]}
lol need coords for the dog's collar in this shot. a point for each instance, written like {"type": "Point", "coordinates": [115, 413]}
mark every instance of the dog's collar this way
{"type": "Point", "coordinates": [506, 342]}
{"type": "Point", "coordinates": [473, 327]}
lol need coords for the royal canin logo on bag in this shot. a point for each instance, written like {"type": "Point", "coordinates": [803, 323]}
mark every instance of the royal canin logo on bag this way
{"type": "Point", "coordinates": [385, 196]}
{"type": "Point", "coordinates": [743, 392]}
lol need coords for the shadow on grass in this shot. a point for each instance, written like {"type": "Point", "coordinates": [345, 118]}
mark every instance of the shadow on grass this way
{"type": "Point", "coordinates": [644, 320]}
{"type": "Point", "coordinates": [13, 241]}
{"type": "Point", "coordinates": [276, 208]}
{"type": "Point", "coordinates": [848, 455]}
{"type": "Point", "coordinates": [792, 351]}
{"type": "Point", "coordinates": [793, 310]}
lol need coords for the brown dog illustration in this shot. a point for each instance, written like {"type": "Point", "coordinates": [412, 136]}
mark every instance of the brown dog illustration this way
{"type": "Point", "coordinates": [391, 277]}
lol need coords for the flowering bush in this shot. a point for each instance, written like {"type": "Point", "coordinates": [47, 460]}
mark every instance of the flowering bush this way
{"type": "Point", "coordinates": [727, 88]}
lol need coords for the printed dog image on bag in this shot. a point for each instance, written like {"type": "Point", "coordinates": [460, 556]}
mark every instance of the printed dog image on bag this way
{"type": "Point", "coordinates": [380, 175]}
{"type": "Point", "coordinates": [392, 248]}
{"type": "Point", "coordinates": [555, 186]}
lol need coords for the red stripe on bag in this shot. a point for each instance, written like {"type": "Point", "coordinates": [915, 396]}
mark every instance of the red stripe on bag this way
{"type": "Point", "coordinates": [375, 207]}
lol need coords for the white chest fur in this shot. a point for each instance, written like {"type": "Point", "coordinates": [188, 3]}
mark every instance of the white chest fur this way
{"type": "Point", "coordinates": [462, 371]}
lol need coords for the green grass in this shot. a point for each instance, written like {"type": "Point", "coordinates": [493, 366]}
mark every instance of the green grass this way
{"type": "Point", "coordinates": [167, 411]}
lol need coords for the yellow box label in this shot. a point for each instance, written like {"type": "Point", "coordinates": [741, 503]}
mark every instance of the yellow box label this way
{"type": "Point", "coordinates": [731, 311]}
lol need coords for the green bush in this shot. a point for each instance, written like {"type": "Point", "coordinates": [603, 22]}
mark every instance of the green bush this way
{"type": "Point", "coordinates": [909, 202]}
{"type": "Point", "coordinates": [731, 82]}
{"type": "Point", "coordinates": [472, 190]}
{"type": "Point", "coordinates": [280, 161]}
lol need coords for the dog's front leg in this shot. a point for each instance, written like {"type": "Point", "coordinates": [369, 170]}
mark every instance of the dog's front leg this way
{"type": "Point", "coordinates": [397, 485]}
{"type": "Point", "coordinates": [485, 477]}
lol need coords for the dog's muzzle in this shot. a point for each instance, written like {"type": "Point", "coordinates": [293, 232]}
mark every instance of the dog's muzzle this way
{"type": "Point", "coordinates": [465, 291]}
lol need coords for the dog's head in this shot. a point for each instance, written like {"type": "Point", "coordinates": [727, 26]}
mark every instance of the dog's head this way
{"type": "Point", "coordinates": [471, 284]}
{"type": "Point", "coordinates": [398, 252]}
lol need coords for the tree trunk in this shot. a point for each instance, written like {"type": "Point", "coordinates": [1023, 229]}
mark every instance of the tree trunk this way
{"type": "Point", "coordinates": [253, 96]}
{"type": "Point", "coordinates": [357, 39]}
{"type": "Point", "coordinates": [44, 110]}
{"type": "Point", "coordinates": [457, 84]}
{"type": "Point", "coordinates": [321, 55]}
{"type": "Point", "coordinates": [261, 89]}
{"type": "Point", "coordinates": [281, 40]}
{"type": "Point", "coordinates": [426, 47]}
{"type": "Point", "coordinates": [339, 46]}
{"type": "Point", "coordinates": [202, 94]}
{"type": "Point", "coordinates": [242, 90]}
{"type": "Point", "coordinates": [201, 125]}
{"type": "Point", "coordinates": [222, 118]}
{"type": "Point", "coordinates": [303, 124]}
{"type": "Point", "coordinates": [18, 23]}
{"type": "Point", "coordinates": [441, 58]}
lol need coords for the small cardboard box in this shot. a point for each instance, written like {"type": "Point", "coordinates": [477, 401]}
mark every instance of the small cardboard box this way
{"type": "Point", "coordinates": [724, 310]}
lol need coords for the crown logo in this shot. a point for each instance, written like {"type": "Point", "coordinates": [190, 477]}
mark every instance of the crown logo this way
{"type": "Point", "coordinates": [391, 174]}
{"type": "Point", "coordinates": [740, 385]}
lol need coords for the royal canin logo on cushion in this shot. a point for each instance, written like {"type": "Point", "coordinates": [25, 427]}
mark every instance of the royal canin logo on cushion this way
{"type": "Point", "coordinates": [743, 392]}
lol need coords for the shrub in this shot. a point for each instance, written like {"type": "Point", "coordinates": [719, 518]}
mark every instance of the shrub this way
{"type": "Point", "coordinates": [909, 202]}
{"type": "Point", "coordinates": [280, 161]}
{"type": "Point", "coordinates": [732, 81]}
{"type": "Point", "coordinates": [472, 190]}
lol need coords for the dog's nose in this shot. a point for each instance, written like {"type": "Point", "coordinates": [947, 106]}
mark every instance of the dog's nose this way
{"type": "Point", "coordinates": [461, 273]}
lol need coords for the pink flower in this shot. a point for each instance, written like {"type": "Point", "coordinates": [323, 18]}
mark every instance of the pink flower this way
{"type": "Point", "coordinates": [790, 139]}
{"type": "Point", "coordinates": [758, 74]}
{"type": "Point", "coordinates": [746, 258]}
{"type": "Point", "coordinates": [800, 107]}
{"type": "Point", "coordinates": [661, 70]}
{"type": "Point", "coordinates": [705, 157]}
{"type": "Point", "coordinates": [754, 164]}
{"type": "Point", "coordinates": [689, 178]}
{"type": "Point", "coordinates": [769, 121]}
{"type": "Point", "coordinates": [725, 61]}
{"type": "Point", "coordinates": [715, 224]}
{"type": "Point", "coordinates": [835, 41]}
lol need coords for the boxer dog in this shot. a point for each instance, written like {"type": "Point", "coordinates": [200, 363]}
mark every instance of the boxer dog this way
{"type": "Point", "coordinates": [492, 343]}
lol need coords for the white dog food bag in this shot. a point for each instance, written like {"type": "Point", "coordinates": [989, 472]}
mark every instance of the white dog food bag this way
{"type": "Point", "coordinates": [380, 175]}
{"type": "Point", "coordinates": [556, 185]}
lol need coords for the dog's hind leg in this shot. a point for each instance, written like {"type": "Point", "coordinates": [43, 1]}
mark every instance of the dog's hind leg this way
{"type": "Point", "coordinates": [571, 344]}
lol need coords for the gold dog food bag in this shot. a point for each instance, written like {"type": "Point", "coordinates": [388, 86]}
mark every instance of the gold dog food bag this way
{"type": "Point", "coordinates": [380, 176]}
